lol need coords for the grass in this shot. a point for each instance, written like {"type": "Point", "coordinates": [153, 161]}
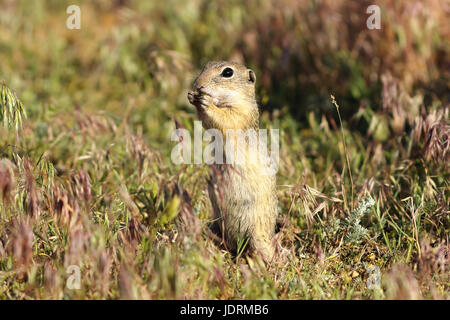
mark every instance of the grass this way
{"type": "Point", "coordinates": [86, 178]}
{"type": "Point", "coordinates": [12, 110]}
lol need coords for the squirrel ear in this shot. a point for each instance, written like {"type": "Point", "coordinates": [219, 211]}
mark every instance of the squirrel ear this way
{"type": "Point", "coordinates": [251, 76]}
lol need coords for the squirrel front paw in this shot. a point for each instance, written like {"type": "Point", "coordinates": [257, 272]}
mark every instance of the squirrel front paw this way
{"type": "Point", "coordinates": [192, 97]}
{"type": "Point", "coordinates": [201, 101]}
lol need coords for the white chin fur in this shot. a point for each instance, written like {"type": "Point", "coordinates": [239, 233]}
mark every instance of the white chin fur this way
{"type": "Point", "coordinates": [221, 96]}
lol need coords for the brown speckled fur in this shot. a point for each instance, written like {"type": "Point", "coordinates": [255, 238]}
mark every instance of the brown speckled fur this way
{"type": "Point", "coordinates": [243, 197]}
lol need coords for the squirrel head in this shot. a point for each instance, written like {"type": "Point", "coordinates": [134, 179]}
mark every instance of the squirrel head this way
{"type": "Point", "coordinates": [230, 84]}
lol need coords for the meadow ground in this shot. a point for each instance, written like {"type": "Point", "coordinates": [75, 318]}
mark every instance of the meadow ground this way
{"type": "Point", "coordinates": [86, 178]}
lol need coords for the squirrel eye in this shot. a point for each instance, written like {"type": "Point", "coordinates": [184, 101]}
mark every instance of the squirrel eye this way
{"type": "Point", "coordinates": [227, 73]}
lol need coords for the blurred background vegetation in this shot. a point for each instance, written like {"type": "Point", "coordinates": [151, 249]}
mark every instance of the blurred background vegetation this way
{"type": "Point", "coordinates": [88, 179]}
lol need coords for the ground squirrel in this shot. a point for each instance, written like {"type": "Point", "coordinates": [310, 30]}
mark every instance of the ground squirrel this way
{"type": "Point", "coordinates": [243, 196]}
